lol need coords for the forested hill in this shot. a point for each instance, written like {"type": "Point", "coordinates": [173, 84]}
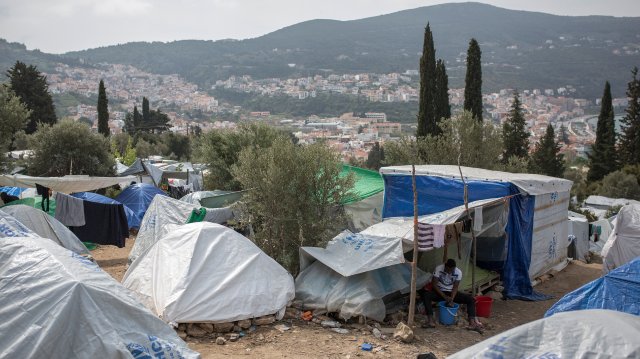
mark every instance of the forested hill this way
{"type": "Point", "coordinates": [10, 52]}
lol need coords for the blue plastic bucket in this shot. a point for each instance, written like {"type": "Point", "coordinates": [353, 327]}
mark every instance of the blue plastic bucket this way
{"type": "Point", "coordinates": [448, 314]}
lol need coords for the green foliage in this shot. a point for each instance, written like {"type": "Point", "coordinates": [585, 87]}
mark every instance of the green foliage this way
{"type": "Point", "coordinates": [145, 149]}
{"type": "Point", "coordinates": [619, 184]}
{"type": "Point", "coordinates": [375, 159]}
{"type": "Point", "coordinates": [514, 132]}
{"type": "Point", "coordinates": [473, 81]}
{"type": "Point", "coordinates": [591, 217]}
{"type": "Point", "coordinates": [220, 150]}
{"type": "Point", "coordinates": [150, 121]}
{"type": "Point", "coordinates": [603, 157]}
{"type": "Point", "coordinates": [178, 146]}
{"type": "Point", "coordinates": [103, 111]}
{"type": "Point", "coordinates": [86, 121]}
{"type": "Point", "coordinates": [612, 211]}
{"type": "Point", "coordinates": [123, 149]}
{"type": "Point", "coordinates": [293, 196]}
{"type": "Point", "coordinates": [546, 158]}
{"type": "Point", "coordinates": [32, 89]}
{"type": "Point", "coordinates": [441, 102]}
{"type": "Point", "coordinates": [14, 115]}
{"type": "Point", "coordinates": [426, 110]}
{"type": "Point", "coordinates": [69, 147]}
{"type": "Point", "coordinates": [629, 149]}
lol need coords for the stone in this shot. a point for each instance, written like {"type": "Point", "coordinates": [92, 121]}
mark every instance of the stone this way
{"type": "Point", "coordinates": [223, 327]}
{"type": "Point", "coordinates": [376, 333]}
{"type": "Point", "coordinates": [282, 328]}
{"type": "Point", "coordinates": [182, 335]}
{"type": "Point", "coordinates": [403, 333]}
{"type": "Point", "coordinates": [182, 326]}
{"type": "Point", "coordinates": [494, 295]}
{"type": "Point", "coordinates": [220, 340]}
{"type": "Point", "coordinates": [266, 320]}
{"type": "Point", "coordinates": [207, 327]}
{"type": "Point", "coordinates": [234, 337]}
{"type": "Point", "coordinates": [237, 329]}
{"type": "Point", "coordinates": [195, 331]}
{"type": "Point", "coordinates": [340, 330]}
{"type": "Point", "coordinates": [330, 324]}
{"type": "Point", "coordinates": [244, 324]}
{"type": "Point", "coordinates": [292, 313]}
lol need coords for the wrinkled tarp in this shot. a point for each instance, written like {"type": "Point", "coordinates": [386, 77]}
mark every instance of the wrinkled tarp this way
{"type": "Point", "coordinates": [138, 197]}
{"type": "Point", "coordinates": [364, 213]}
{"type": "Point", "coordinates": [205, 272]}
{"type": "Point", "coordinates": [367, 183]}
{"type": "Point", "coordinates": [46, 227]}
{"type": "Point", "coordinates": [624, 243]}
{"type": "Point", "coordinates": [591, 333]}
{"type": "Point", "coordinates": [67, 184]}
{"type": "Point", "coordinates": [221, 200]}
{"type": "Point", "coordinates": [132, 220]}
{"type": "Point", "coordinates": [57, 304]}
{"type": "Point", "coordinates": [579, 228]}
{"type": "Point", "coordinates": [136, 168]}
{"type": "Point", "coordinates": [12, 191]}
{"type": "Point", "coordinates": [617, 290]}
{"type": "Point", "coordinates": [195, 197]}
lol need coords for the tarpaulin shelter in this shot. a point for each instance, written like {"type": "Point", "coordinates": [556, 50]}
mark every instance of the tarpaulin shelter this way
{"type": "Point", "coordinates": [41, 224]}
{"type": "Point", "coordinates": [163, 171]}
{"type": "Point", "coordinates": [12, 191]}
{"type": "Point", "coordinates": [601, 231]}
{"type": "Point", "coordinates": [594, 333]}
{"type": "Point", "coordinates": [364, 206]}
{"type": "Point", "coordinates": [138, 197]}
{"type": "Point", "coordinates": [205, 272]}
{"type": "Point", "coordinates": [623, 244]}
{"type": "Point", "coordinates": [213, 199]}
{"type": "Point", "coordinates": [35, 202]}
{"type": "Point", "coordinates": [578, 231]}
{"type": "Point", "coordinates": [617, 290]}
{"type": "Point", "coordinates": [66, 184]}
{"type": "Point", "coordinates": [536, 229]}
{"type": "Point", "coordinates": [132, 219]}
{"type": "Point", "coordinates": [57, 304]}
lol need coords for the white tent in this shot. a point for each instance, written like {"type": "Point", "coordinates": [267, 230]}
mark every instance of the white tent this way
{"type": "Point", "coordinates": [578, 231]}
{"type": "Point", "coordinates": [205, 272]}
{"type": "Point", "coordinates": [56, 304]}
{"type": "Point", "coordinates": [45, 226]}
{"type": "Point", "coordinates": [605, 227]}
{"type": "Point", "coordinates": [623, 244]}
{"type": "Point", "coordinates": [594, 333]}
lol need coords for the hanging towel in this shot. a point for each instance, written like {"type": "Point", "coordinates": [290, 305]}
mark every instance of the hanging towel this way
{"type": "Point", "coordinates": [477, 219]}
{"type": "Point", "coordinates": [438, 235]}
{"type": "Point", "coordinates": [425, 237]}
{"type": "Point", "coordinates": [69, 210]}
{"type": "Point", "coordinates": [197, 215]}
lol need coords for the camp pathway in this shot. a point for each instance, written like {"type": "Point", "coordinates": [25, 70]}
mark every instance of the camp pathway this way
{"type": "Point", "coordinates": [304, 340]}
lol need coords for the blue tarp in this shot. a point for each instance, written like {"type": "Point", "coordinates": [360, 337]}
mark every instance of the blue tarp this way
{"type": "Point", "coordinates": [12, 191]}
{"type": "Point", "coordinates": [138, 197]}
{"type": "Point", "coordinates": [437, 194]}
{"type": "Point", "coordinates": [618, 290]}
{"type": "Point", "coordinates": [132, 219]}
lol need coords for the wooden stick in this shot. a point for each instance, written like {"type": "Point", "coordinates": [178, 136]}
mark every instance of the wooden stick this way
{"type": "Point", "coordinates": [414, 263]}
{"type": "Point", "coordinates": [473, 235]}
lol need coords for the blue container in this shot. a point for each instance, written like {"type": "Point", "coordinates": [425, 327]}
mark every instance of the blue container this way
{"type": "Point", "coordinates": [448, 314]}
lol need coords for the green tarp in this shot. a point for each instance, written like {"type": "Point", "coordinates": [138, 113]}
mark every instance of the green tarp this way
{"type": "Point", "coordinates": [367, 183]}
{"type": "Point", "coordinates": [35, 202]}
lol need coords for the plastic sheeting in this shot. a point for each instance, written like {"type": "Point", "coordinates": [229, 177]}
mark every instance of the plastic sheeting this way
{"type": "Point", "coordinates": [12, 191]}
{"type": "Point", "coordinates": [550, 239]}
{"type": "Point", "coordinates": [66, 184]}
{"type": "Point", "coordinates": [205, 272]}
{"type": "Point", "coordinates": [618, 290]}
{"type": "Point", "coordinates": [138, 197]}
{"type": "Point", "coordinates": [364, 213]}
{"type": "Point", "coordinates": [45, 226]}
{"type": "Point", "coordinates": [579, 229]}
{"type": "Point", "coordinates": [132, 220]}
{"type": "Point", "coordinates": [624, 243]}
{"type": "Point", "coordinates": [56, 304]}
{"type": "Point", "coordinates": [195, 197]}
{"type": "Point", "coordinates": [586, 334]}
{"type": "Point", "coordinates": [605, 232]}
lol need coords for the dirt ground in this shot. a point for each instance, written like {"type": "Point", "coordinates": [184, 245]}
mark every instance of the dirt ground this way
{"type": "Point", "coordinates": [309, 340]}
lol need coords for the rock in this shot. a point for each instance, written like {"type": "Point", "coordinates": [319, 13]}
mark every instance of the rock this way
{"type": "Point", "coordinates": [376, 333]}
{"type": "Point", "coordinates": [234, 337]}
{"type": "Point", "coordinates": [207, 327]}
{"type": "Point", "coordinates": [494, 295]}
{"type": "Point", "coordinates": [282, 328]}
{"type": "Point", "coordinates": [220, 340]}
{"type": "Point", "coordinates": [292, 313]}
{"type": "Point", "coordinates": [223, 327]}
{"type": "Point", "coordinates": [266, 320]}
{"type": "Point", "coordinates": [182, 326]}
{"type": "Point", "coordinates": [182, 335]}
{"type": "Point", "coordinates": [340, 330]}
{"type": "Point", "coordinates": [330, 324]}
{"type": "Point", "coordinates": [403, 332]}
{"type": "Point", "coordinates": [237, 329]}
{"type": "Point", "coordinates": [244, 324]}
{"type": "Point", "coordinates": [195, 331]}
{"type": "Point", "coordinates": [498, 288]}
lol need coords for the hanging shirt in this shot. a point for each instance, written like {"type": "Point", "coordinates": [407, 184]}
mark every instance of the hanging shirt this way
{"type": "Point", "coordinates": [69, 210]}
{"type": "Point", "coordinates": [445, 281]}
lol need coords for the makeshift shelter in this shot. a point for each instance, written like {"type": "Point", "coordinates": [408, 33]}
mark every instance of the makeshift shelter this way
{"type": "Point", "coordinates": [364, 206]}
{"type": "Point", "coordinates": [600, 231]}
{"type": "Point", "coordinates": [591, 333]}
{"type": "Point", "coordinates": [138, 197]}
{"type": "Point", "coordinates": [205, 272]}
{"type": "Point", "coordinates": [623, 244]}
{"type": "Point", "coordinates": [66, 184]}
{"type": "Point", "coordinates": [44, 226]}
{"type": "Point", "coordinates": [161, 172]}
{"type": "Point", "coordinates": [578, 232]}
{"type": "Point", "coordinates": [164, 211]}
{"type": "Point", "coordinates": [536, 232]}
{"type": "Point", "coordinates": [617, 290]}
{"type": "Point", "coordinates": [34, 202]}
{"type": "Point", "coordinates": [213, 199]}
{"type": "Point", "coordinates": [132, 219]}
{"type": "Point", "coordinates": [12, 191]}
{"type": "Point", "coordinates": [55, 303]}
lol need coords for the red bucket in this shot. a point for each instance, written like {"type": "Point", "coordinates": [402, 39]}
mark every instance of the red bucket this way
{"type": "Point", "coordinates": [483, 306]}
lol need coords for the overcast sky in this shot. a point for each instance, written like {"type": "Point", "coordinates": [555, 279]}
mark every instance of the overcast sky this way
{"type": "Point", "coordinates": [58, 26]}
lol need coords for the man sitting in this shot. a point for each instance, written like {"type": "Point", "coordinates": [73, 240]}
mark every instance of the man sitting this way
{"type": "Point", "coordinates": [445, 282]}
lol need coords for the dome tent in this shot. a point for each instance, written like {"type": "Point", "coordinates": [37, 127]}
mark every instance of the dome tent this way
{"type": "Point", "coordinates": [56, 304]}
{"type": "Point", "coordinates": [623, 244]}
{"type": "Point", "coordinates": [205, 272]}
{"type": "Point", "coordinates": [138, 197]}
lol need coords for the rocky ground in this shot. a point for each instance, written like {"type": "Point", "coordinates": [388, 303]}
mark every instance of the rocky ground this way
{"type": "Point", "coordinates": [294, 337]}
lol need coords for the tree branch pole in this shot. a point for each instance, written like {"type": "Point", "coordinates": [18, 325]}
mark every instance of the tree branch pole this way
{"type": "Point", "coordinates": [473, 235]}
{"type": "Point", "coordinates": [414, 263]}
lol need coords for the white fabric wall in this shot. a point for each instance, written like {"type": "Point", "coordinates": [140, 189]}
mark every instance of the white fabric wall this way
{"type": "Point", "coordinates": [549, 242]}
{"type": "Point", "coordinates": [579, 227]}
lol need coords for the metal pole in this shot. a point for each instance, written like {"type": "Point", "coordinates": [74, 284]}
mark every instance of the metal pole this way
{"type": "Point", "coordinates": [414, 263]}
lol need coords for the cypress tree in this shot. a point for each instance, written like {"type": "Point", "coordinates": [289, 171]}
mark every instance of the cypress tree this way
{"type": "Point", "coordinates": [146, 114]}
{"type": "Point", "coordinates": [103, 110]}
{"type": "Point", "coordinates": [630, 137]}
{"type": "Point", "coordinates": [137, 119]}
{"type": "Point", "coordinates": [426, 115]}
{"type": "Point", "coordinates": [32, 89]}
{"type": "Point", "coordinates": [546, 158]}
{"type": "Point", "coordinates": [473, 81]}
{"type": "Point", "coordinates": [603, 158]}
{"type": "Point", "coordinates": [375, 157]}
{"type": "Point", "coordinates": [514, 132]}
{"type": "Point", "coordinates": [441, 103]}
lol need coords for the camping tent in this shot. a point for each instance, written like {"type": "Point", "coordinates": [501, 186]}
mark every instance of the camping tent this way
{"type": "Point", "coordinates": [205, 272]}
{"type": "Point", "coordinates": [578, 231]}
{"type": "Point", "coordinates": [45, 226]}
{"type": "Point", "coordinates": [132, 219]}
{"type": "Point", "coordinates": [617, 290]}
{"type": "Point", "coordinates": [594, 333]}
{"type": "Point", "coordinates": [138, 197]}
{"type": "Point", "coordinates": [364, 206]}
{"type": "Point", "coordinates": [536, 229]}
{"type": "Point", "coordinates": [623, 244]}
{"type": "Point", "coordinates": [56, 304]}
{"type": "Point", "coordinates": [164, 211]}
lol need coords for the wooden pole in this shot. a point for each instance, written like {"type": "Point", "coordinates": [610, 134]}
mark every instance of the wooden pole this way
{"type": "Point", "coordinates": [473, 235]}
{"type": "Point", "coordinates": [414, 263]}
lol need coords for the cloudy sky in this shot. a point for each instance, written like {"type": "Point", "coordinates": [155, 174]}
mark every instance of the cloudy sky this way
{"type": "Point", "coordinates": [58, 26]}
